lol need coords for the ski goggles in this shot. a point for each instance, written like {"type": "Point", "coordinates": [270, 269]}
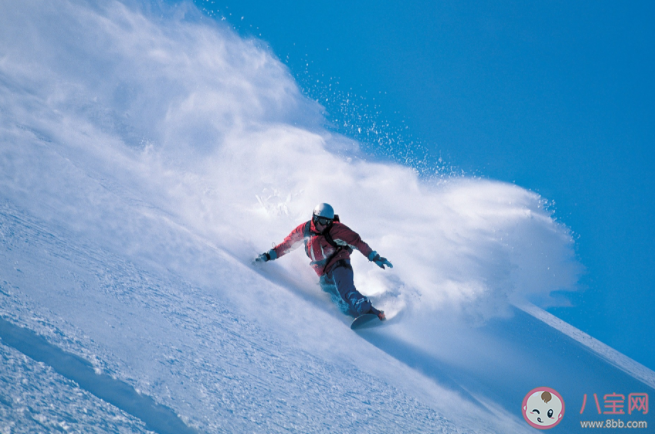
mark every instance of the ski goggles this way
{"type": "Point", "coordinates": [322, 220]}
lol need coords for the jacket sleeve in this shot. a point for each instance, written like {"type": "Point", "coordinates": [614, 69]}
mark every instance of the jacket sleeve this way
{"type": "Point", "coordinates": [343, 235]}
{"type": "Point", "coordinates": [291, 242]}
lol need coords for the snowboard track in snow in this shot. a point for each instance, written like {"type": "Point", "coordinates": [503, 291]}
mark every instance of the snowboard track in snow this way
{"type": "Point", "coordinates": [157, 417]}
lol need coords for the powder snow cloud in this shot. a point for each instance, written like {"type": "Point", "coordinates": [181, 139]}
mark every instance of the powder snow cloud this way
{"type": "Point", "coordinates": [181, 115]}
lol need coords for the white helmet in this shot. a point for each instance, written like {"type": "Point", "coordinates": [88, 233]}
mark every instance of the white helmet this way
{"type": "Point", "coordinates": [324, 210]}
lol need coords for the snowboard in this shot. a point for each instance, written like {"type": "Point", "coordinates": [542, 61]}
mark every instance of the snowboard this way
{"type": "Point", "coordinates": [367, 320]}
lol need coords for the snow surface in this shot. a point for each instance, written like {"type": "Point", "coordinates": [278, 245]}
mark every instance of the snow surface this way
{"type": "Point", "coordinates": [147, 155]}
{"type": "Point", "coordinates": [35, 399]}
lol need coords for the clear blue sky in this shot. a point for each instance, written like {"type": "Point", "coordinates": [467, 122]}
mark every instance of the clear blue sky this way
{"type": "Point", "coordinates": [556, 96]}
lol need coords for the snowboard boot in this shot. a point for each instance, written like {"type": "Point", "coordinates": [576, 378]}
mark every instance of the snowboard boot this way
{"type": "Point", "coordinates": [379, 313]}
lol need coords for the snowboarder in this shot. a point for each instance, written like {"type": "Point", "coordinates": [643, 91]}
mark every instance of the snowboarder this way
{"type": "Point", "coordinates": [329, 243]}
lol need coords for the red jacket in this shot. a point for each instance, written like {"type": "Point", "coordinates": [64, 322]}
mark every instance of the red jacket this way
{"type": "Point", "coordinates": [317, 247]}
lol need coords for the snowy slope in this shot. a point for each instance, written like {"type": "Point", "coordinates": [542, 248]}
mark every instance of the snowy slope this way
{"type": "Point", "coordinates": [189, 348]}
{"type": "Point", "coordinates": [146, 156]}
{"type": "Point", "coordinates": [36, 399]}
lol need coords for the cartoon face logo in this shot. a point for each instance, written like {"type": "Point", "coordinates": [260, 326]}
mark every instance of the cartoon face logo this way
{"type": "Point", "coordinates": [543, 408]}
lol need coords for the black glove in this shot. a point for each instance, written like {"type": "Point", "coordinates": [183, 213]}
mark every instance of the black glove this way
{"type": "Point", "coordinates": [267, 256]}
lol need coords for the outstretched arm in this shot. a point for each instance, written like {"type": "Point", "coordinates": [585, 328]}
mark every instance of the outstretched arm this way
{"type": "Point", "coordinates": [291, 242]}
{"type": "Point", "coordinates": [343, 235]}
